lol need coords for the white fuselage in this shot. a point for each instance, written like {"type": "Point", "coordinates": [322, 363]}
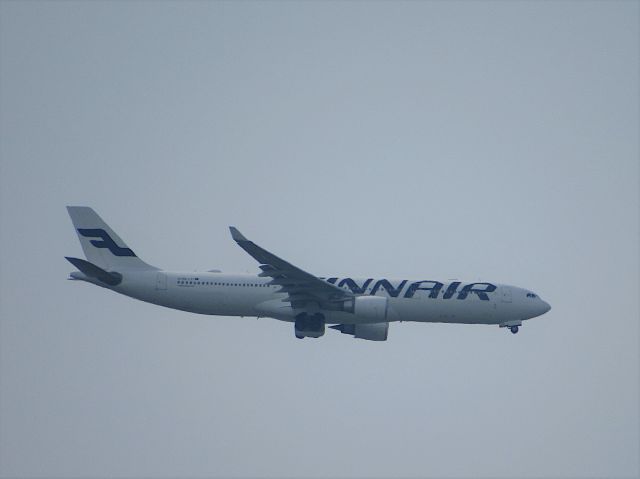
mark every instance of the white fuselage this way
{"type": "Point", "coordinates": [250, 295]}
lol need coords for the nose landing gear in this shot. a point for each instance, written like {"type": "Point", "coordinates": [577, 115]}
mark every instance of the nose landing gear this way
{"type": "Point", "coordinates": [514, 326]}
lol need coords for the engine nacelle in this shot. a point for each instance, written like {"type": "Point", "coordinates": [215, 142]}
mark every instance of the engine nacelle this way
{"type": "Point", "coordinates": [370, 332]}
{"type": "Point", "coordinates": [372, 309]}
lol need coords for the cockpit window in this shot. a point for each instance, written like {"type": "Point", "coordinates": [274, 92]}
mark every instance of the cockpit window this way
{"type": "Point", "coordinates": [531, 295]}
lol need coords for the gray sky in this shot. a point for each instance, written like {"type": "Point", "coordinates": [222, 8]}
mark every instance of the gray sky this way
{"type": "Point", "coordinates": [420, 140]}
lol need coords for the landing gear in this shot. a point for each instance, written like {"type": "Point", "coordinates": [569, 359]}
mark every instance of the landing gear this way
{"type": "Point", "coordinates": [309, 325]}
{"type": "Point", "coordinates": [514, 329]}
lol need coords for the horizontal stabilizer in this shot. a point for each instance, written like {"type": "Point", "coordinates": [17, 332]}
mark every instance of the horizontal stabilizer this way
{"type": "Point", "coordinates": [93, 271]}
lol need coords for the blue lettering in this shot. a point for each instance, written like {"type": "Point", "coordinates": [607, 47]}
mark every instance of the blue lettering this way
{"type": "Point", "coordinates": [388, 287]}
{"type": "Point", "coordinates": [434, 287]}
{"type": "Point", "coordinates": [451, 289]}
{"type": "Point", "coordinates": [481, 291]}
{"type": "Point", "coordinates": [353, 286]}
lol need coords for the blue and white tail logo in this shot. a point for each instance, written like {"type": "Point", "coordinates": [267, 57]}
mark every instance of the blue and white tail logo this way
{"type": "Point", "coordinates": [101, 245]}
{"type": "Point", "coordinates": [105, 241]}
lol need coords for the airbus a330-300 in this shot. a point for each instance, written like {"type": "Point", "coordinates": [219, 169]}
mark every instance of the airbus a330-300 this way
{"type": "Point", "coordinates": [361, 307]}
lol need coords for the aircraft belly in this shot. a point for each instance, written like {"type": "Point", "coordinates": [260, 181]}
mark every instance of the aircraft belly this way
{"type": "Point", "coordinates": [432, 310]}
{"type": "Point", "coordinates": [192, 299]}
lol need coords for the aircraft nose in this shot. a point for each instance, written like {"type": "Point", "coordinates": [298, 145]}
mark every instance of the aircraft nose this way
{"type": "Point", "coordinates": [546, 307]}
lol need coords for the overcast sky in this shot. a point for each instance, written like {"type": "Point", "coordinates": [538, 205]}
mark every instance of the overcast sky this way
{"type": "Point", "coordinates": [426, 140]}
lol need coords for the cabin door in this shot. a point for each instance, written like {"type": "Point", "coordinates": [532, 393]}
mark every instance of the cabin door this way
{"type": "Point", "coordinates": [161, 282]}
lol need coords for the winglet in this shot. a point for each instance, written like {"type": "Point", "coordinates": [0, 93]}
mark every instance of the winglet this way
{"type": "Point", "coordinates": [236, 235]}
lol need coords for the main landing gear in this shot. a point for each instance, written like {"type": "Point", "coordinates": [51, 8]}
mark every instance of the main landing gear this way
{"type": "Point", "coordinates": [309, 325]}
{"type": "Point", "coordinates": [514, 329]}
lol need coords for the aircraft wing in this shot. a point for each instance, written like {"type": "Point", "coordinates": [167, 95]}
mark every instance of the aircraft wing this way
{"type": "Point", "coordinates": [301, 287]}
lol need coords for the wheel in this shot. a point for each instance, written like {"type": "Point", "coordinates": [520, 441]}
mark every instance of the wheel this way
{"type": "Point", "coordinates": [514, 329]}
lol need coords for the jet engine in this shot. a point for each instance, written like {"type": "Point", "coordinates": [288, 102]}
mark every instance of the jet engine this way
{"type": "Point", "coordinates": [371, 332]}
{"type": "Point", "coordinates": [372, 309]}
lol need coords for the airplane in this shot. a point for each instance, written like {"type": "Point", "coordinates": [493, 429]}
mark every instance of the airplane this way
{"type": "Point", "coordinates": [360, 307]}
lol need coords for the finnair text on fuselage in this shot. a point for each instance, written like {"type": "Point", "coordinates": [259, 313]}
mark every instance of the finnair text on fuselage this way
{"type": "Point", "coordinates": [410, 288]}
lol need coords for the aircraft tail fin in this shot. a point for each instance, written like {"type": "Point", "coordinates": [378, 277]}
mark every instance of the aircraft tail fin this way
{"type": "Point", "coordinates": [101, 245]}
